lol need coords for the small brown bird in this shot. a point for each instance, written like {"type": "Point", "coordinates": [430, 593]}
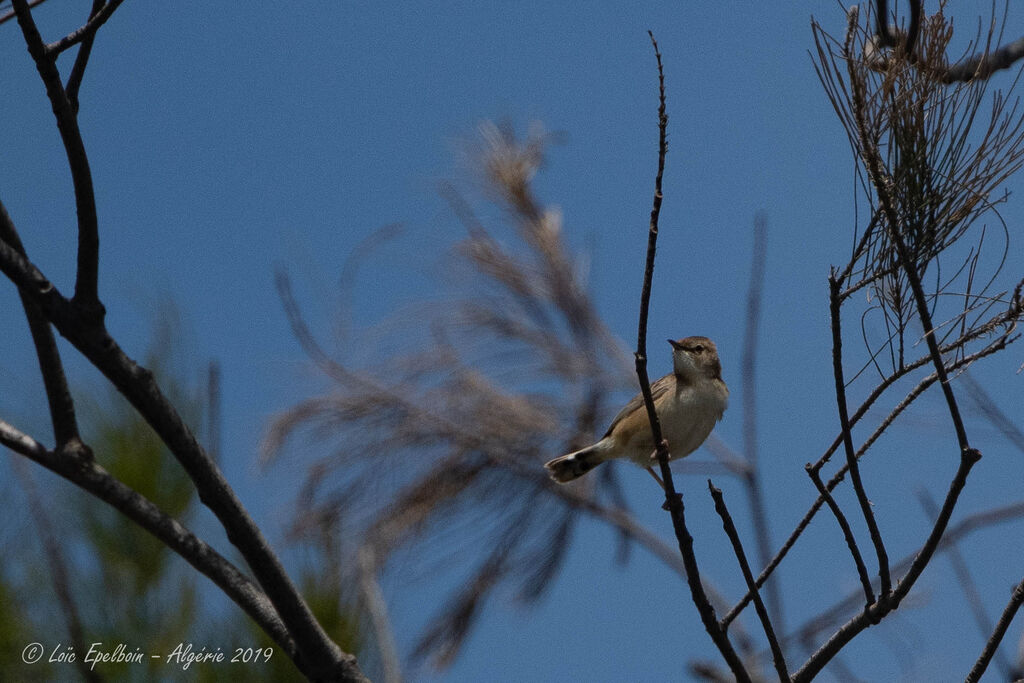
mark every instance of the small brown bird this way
{"type": "Point", "coordinates": [689, 401]}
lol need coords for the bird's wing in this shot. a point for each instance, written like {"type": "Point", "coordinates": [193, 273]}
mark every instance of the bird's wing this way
{"type": "Point", "coordinates": [658, 389]}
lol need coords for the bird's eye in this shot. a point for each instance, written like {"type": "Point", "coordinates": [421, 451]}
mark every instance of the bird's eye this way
{"type": "Point", "coordinates": [699, 348]}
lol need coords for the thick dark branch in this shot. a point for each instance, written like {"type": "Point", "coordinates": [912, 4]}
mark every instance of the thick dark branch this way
{"type": "Point", "coordinates": [87, 274]}
{"type": "Point", "coordinates": [1016, 600]}
{"type": "Point", "coordinates": [58, 394]}
{"type": "Point", "coordinates": [778, 659]}
{"type": "Point", "coordinates": [674, 501]}
{"type": "Point", "coordinates": [851, 542]}
{"type": "Point", "coordinates": [90, 477]}
{"type": "Point", "coordinates": [138, 385]}
{"type": "Point", "coordinates": [835, 288]}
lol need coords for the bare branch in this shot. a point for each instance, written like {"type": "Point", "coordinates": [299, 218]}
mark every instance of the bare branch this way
{"type": "Point", "coordinates": [101, 11]}
{"type": "Point", "coordinates": [980, 66]}
{"type": "Point", "coordinates": [10, 14]}
{"type": "Point", "coordinates": [730, 530]}
{"type": "Point", "coordinates": [375, 604]}
{"type": "Point", "coordinates": [844, 420]}
{"type": "Point", "coordinates": [674, 501]}
{"type": "Point", "coordinates": [320, 655]}
{"type": "Point", "coordinates": [213, 415]}
{"type": "Point", "coordinates": [851, 542]}
{"type": "Point", "coordinates": [90, 477]}
{"type": "Point", "coordinates": [964, 580]}
{"type": "Point", "coordinates": [58, 395]}
{"type": "Point", "coordinates": [1016, 600]}
{"type": "Point", "coordinates": [983, 66]}
{"type": "Point", "coordinates": [997, 345]}
{"type": "Point", "coordinates": [953, 535]}
{"type": "Point", "coordinates": [82, 58]}
{"type": "Point", "coordinates": [992, 411]}
{"type": "Point", "coordinates": [877, 611]}
{"type": "Point", "coordinates": [887, 35]}
{"type": "Point", "coordinates": [882, 183]}
{"type": "Point", "coordinates": [87, 274]}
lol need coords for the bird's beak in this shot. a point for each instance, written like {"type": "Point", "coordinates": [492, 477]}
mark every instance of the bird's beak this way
{"type": "Point", "coordinates": [675, 345]}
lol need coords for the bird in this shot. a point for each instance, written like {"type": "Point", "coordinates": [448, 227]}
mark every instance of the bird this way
{"type": "Point", "coordinates": [689, 401]}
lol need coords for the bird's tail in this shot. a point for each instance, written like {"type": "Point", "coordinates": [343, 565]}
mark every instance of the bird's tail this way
{"type": "Point", "coordinates": [565, 468]}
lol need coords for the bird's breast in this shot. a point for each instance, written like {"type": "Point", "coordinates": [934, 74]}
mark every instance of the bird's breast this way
{"type": "Point", "coordinates": [689, 415]}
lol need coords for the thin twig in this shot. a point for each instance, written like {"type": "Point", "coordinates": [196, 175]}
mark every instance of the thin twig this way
{"type": "Point", "coordinates": [882, 183]}
{"type": "Point", "coordinates": [992, 412]}
{"type": "Point", "coordinates": [1016, 600]}
{"type": "Point", "coordinates": [851, 542]}
{"type": "Point", "coordinates": [778, 659]}
{"type": "Point", "coordinates": [213, 412]}
{"type": "Point", "coordinates": [844, 421]}
{"type": "Point", "coordinates": [674, 500]}
{"type": "Point", "coordinates": [965, 581]}
{"type": "Point", "coordinates": [96, 19]}
{"type": "Point", "coordinates": [82, 58]}
{"type": "Point", "coordinates": [10, 14]}
{"type": "Point", "coordinates": [58, 395]}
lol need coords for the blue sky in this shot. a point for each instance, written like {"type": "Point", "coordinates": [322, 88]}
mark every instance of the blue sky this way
{"type": "Point", "coordinates": [227, 141]}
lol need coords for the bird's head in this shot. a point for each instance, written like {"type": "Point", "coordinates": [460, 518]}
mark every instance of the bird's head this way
{"type": "Point", "coordinates": [694, 357]}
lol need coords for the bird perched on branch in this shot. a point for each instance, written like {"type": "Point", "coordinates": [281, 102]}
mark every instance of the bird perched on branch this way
{"type": "Point", "coordinates": [689, 401]}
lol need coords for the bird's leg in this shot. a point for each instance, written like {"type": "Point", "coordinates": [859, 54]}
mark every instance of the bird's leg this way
{"type": "Point", "coordinates": [654, 456]}
{"type": "Point", "coordinates": [656, 478]}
